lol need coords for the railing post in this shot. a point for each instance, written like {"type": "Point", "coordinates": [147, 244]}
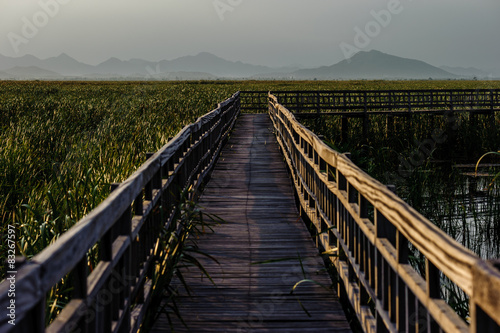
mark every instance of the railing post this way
{"type": "Point", "coordinates": [366, 120]}
{"type": "Point", "coordinates": [156, 182]}
{"type": "Point", "coordinates": [318, 110]}
{"type": "Point", "coordinates": [389, 126]}
{"type": "Point", "coordinates": [385, 286]}
{"type": "Point", "coordinates": [491, 116]}
{"type": "Point", "coordinates": [341, 181]}
{"type": "Point", "coordinates": [485, 300]}
{"type": "Point", "coordinates": [148, 190]}
{"type": "Point", "coordinates": [345, 129]}
{"type": "Point", "coordinates": [433, 284]}
{"type": "Point", "coordinates": [79, 280]}
{"type": "Point", "coordinates": [408, 101]}
{"type": "Point", "coordinates": [125, 271]}
{"type": "Point", "coordinates": [409, 121]}
{"type": "Point", "coordinates": [34, 322]}
{"type": "Point", "coordinates": [297, 96]}
{"type": "Point", "coordinates": [104, 307]}
{"type": "Point", "coordinates": [384, 229]}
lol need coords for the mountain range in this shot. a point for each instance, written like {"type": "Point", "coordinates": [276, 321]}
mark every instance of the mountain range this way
{"type": "Point", "coordinates": [206, 66]}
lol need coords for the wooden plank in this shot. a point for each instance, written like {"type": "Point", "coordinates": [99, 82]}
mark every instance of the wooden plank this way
{"type": "Point", "coordinates": [250, 189]}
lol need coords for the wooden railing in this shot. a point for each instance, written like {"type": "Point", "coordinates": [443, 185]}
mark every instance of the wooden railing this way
{"type": "Point", "coordinates": [114, 296]}
{"type": "Point", "coordinates": [354, 103]}
{"type": "Point", "coordinates": [368, 231]}
{"type": "Point", "coordinates": [254, 101]}
{"type": "Point", "coordinates": [364, 104]}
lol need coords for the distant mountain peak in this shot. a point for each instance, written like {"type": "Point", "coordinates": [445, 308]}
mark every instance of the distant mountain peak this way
{"type": "Point", "coordinates": [375, 64]}
{"type": "Point", "coordinates": [64, 55]}
{"type": "Point", "coordinates": [206, 54]}
{"type": "Point", "coordinates": [370, 52]}
{"type": "Point", "coordinates": [114, 59]}
{"type": "Point", "coordinates": [374, 54]}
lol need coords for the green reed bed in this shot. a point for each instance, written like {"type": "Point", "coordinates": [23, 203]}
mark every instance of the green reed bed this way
{"type": "Point", "coordinates": [63, 144]}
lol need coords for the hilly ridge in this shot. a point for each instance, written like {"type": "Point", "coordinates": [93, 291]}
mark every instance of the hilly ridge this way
{"type": "Point", "coordinates": [31, 72]}
{"type": "Point", "coordinates": [363, 65]}
{"type": "Point", "coordinates": [199, 66]}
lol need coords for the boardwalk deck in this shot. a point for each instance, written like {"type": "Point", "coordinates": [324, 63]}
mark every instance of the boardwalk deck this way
{"type": "Point", "coordinates": [251, 190]}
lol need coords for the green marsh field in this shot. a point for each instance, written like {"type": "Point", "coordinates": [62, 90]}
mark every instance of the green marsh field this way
{"type": "Point", "coordinates": [64, 143]}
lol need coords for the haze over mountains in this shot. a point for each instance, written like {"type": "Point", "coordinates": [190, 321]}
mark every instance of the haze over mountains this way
{"type": "Point", "coordinates": [205, 66]}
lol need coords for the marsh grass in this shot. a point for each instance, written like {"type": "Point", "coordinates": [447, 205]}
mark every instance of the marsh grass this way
{"type": "Point", "coordinates": [63, 144]}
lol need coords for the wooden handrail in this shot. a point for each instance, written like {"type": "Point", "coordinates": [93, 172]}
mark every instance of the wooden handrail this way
{"type": "Point", "coordinates": [254, 100]}
{"type": "Point", "coordinates": [352, 103]}
{"type": "Point", "coordinates": [362, 103]}
{"type": "Point", "coordinates": [126, 224]}
{"type": "Point", "coordinates": [371, 253]}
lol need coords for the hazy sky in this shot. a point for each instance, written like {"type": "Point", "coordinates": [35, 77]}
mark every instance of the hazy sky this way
{"type": "Point", "coordinates": [271, 32]}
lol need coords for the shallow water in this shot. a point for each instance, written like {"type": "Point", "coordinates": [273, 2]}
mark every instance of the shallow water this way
{"type": "Point", "coordinates": [467, 209]}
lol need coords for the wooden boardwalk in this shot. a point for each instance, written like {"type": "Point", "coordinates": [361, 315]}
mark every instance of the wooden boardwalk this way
{"type": "Point", "coordinates": [251, 190]}
{"type": "Point", "coordinates": [264, 248]}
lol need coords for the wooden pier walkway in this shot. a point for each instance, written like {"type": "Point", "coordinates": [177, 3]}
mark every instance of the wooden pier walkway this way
{"type": "Point", "coordinates": [251, 190]}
